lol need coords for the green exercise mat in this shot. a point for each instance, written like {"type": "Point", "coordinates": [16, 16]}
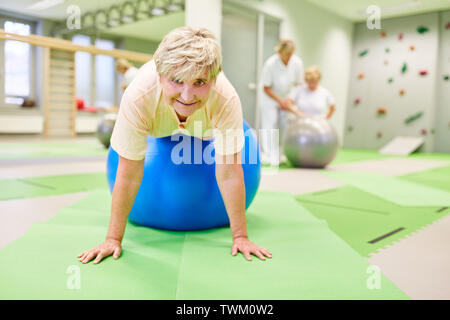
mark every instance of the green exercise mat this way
{"type": "Point", "coordinates": [393, 189]}
{"type": "Point", "coordinates": [367, 222]}
{"type": "Point", "coordinates": [50, 149]}
{"type": "Point", "coordinates": [50, 185]}
{"type": "Point", "coordinates": [309, 260]}
{"type": "Point", "coordinates": [438, 178]}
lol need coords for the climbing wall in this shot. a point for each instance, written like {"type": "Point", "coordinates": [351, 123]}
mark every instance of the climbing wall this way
{"type": "Point", "coordinates": [394, 82]}
{"type": "Point", "coordinates": [442, 137]}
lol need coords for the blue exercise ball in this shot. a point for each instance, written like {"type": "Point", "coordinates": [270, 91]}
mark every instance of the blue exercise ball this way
{"type": "Point", "coordinates": [185, 196]}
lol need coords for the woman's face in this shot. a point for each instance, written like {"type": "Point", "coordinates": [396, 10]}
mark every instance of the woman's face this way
{"type": "Point", "coordinates": [312, 83]}
{"type": "Point", "coordinates": [187, 96]}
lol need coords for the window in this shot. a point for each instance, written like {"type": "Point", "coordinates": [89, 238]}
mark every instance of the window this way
{"type": "Point", "coordinates": [83, 69]}
{"type": "Point", "coordinates": [104, 75]}
{"type": "Point", "coordinates": [17, 64]}
{"type": "Point", "coordinates": [95, 75]}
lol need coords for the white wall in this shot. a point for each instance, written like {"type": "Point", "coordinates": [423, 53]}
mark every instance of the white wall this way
{"type": "Point", "coordinates": [321, 38]}
{"type": "Point", "coordinates": [204, 14]}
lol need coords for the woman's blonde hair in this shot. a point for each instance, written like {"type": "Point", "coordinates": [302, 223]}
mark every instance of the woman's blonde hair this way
{"type": "Point", "coordinates": [122, 64]}
{"type": "Point", "coordinates": [285, 45]}
{"type": "Point", "coordinates": [312, 73]}
{"type": "Point", "coordinates": [186, 53]}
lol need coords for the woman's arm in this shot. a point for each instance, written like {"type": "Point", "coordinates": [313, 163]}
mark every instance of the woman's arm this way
{"type": "Point", "coordinates": [282, 102]}
{"type": "Point", "coordinates": [230, 178]}
{"type": "Point", "coordinates": [128, 179]}
{"type": "Point", "coordinates": [331, 111]}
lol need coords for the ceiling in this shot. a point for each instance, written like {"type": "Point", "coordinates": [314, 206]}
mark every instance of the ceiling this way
{"type": "Point", "coordinates": [355, 10]}
{"type": "Point", "coordinates": [153, 29]}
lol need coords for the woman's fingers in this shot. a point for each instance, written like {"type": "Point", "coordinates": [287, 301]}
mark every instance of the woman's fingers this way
{"type": "Point", "coordinates": [89, 256]}
{"type": "Point", "coordinates": [117, 252]}
{"type": "Point", "coordinates": [99, 258]}
{"type": "Point", "coordinates": [259, 254]}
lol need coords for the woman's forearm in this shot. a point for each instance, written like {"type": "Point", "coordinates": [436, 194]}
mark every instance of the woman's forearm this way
{"type": "Point", "coordinates": [128, 179]}
{"type": "Point", "coordinates": [230, 179]}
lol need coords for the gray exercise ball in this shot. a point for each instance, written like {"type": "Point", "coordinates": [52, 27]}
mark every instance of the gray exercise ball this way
{"type": "Point", "coordinates": [105, 128]}
{"type": "Point", "coordinates": [310, 142]}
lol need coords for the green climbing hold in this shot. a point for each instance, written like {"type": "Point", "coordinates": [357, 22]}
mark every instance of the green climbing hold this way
{"type": "Point", "coordinates": [363, 53]}
{"type": "Point", "coordinates": [404, 68]}
{"type": "Point", "coordinates": [446, 77]}
{"type": "Point", "coordinates": [350, 128]}
{"type": "Point", "coordinates": [387, 50]}
{"type": "Point", "coordinates": [390, 80]}
{"type": "Point", "coordinates": [422, 29]}
{"type": "Point", "coordinates": [433, 131]}
{"type": "Point", "coordinates": [413, 117]}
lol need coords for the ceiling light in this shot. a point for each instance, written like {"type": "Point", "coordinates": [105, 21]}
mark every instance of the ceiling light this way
{"type": "Point", "coordinates": [158, 11]}
{"type": "Point", "coordinates": [44, 4]}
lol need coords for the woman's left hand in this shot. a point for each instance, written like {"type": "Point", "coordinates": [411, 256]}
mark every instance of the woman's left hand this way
{"type": "Point", "coordinates": [247, 248]}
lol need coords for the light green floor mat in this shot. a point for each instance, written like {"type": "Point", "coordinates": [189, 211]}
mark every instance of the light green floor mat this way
{"type": "Point", "coordinates": [50, 185]}
{"type": "Point", "coordinates": [367, 222]}
{"type": "Point", "coordinates": [438, 178]}
{"type": "Point", "coordinates": [309, 261]}
{"type": "Point", "coordinates": [51, 149]}
{"type": "Point", "coordinates": [393, 189]}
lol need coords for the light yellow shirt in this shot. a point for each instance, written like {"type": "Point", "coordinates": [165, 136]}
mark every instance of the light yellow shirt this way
{"type": "Point", "coordinates": [143, 112]}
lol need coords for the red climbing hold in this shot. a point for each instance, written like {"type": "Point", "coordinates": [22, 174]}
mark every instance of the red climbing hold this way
{"type": "Point", "coordinates": [423, 72]}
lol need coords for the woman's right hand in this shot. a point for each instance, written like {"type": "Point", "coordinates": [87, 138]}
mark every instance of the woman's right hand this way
{"type": "Point", "coordinates": [107, 248]}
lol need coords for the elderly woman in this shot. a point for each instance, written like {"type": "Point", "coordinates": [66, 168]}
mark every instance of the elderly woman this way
{"type": "Point", "coordinates": [312, 100]}
{"type": "Point", "coordinates": [281, 72]}
{"type": "Point", "coordinates": [125, 68]}
{"type": "Point", "coordinates": [181, 87]}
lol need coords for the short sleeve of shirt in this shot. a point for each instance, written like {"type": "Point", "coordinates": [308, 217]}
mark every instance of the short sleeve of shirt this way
{"type": "Point", "coordinates": [330, 98]}
{"type": "Point", "coordinates": [266, 76]}
{"type": "Point", "coordinates": [129, 137]}
{"type": "Point", "coordinates": [228, 132]}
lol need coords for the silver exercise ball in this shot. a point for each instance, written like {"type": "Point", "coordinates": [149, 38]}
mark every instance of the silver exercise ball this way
{"type": "Point", "coordinates": [105, 128]}
{"type": "Point", "coordinates": [310, 142]}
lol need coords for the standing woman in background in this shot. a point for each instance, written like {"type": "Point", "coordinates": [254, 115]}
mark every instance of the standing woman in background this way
{"type": "Point", "coordinates": [281, 72]}
{"type": "Point", "coordinates": [128, 71]}
{"type": "Point", "coordinates": [313, 100]}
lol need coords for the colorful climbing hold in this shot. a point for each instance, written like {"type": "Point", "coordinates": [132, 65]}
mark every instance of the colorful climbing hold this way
{"type": "Point", "coordinates": [411, 47]}
{"type": "Point", "coordinates": [422, 29]}
{"type": "Point", "coordinates": [423, 72]}
{"type": "Point", "coordinates": [446, 77]}
{"type": "Point", "coordinates": [413, 117]}
{"type": "Point", "coordinates": [400, 36]}
{"type": "Point", "coordinates": [363, 53]}
{"type": "Point", "coordinates": [361, 76]}
{"type": "Point", "coordinates": [433, 131]}
{"type": "Point", "coordinates": [383, 34]}
{"type": "Point", "coordinates": [404, 67]}
{"type": "Point", "coordinates": [387, 50]}
{"type": "Point", "coordinates": [447, 26]}
{"type": "Point", "coordinates": [424, 131]}
{"type": "Point", "coordinates": [401, 92]}
{"type": "Point", "coordinates": [349, 128]}
{"type": "Point", "coordinates": [381, 111]}
{"type": "Point", "coordinates": [357, 101]}
{"type": "Point", "coordinates": [379, 135]}
{"type": "Point", "coordinates": [390, 80]}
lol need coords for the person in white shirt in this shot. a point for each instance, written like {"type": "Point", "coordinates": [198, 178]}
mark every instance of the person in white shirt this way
{"type": "Point", "coordinates": [312, 100]}
{"type": "Point", "coordinates": [281, 72]}
{"type": "Point", "coordinates": [128, 71]}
